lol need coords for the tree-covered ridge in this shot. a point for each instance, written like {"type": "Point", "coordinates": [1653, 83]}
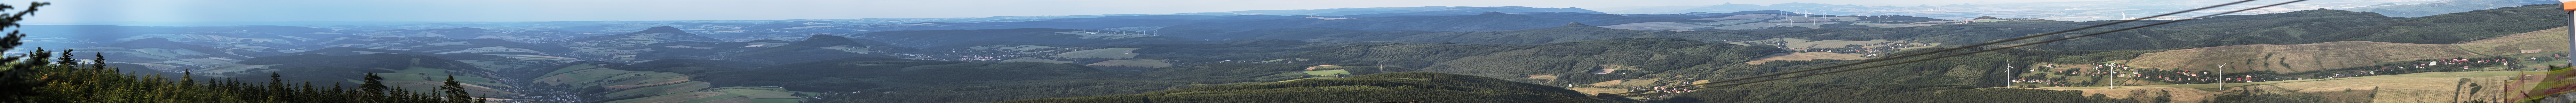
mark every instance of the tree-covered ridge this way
{"type": "Point", "coordinates": [930, 38]}
{"type": "Point", "coordinates": [2319, 26]}
{"type": "Point", "coordinates": [2301, 27]}
{"type": "Point", "coordinates": [41, 76]}
{"type": "Point", "coordinates": [66, 80]}
{"type": "Point", "coordinates": [1387, 87]}
{"type": "Point", "coordinates": [1573, 62]}
{"type": "Point", "coordinates": [818, 47]}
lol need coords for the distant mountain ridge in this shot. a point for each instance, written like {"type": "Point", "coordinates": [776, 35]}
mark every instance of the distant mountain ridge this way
{"type": "Point", "coordinates": [1387, 10]}
{"type": "Point", "coordinates": [820, 47]}
{"type": "Point", "coordinates": [2079, 10]}
{"type": "Point", "coordinates": [664, 33]}
{"type": "Point", "coordinates": [929, 38]}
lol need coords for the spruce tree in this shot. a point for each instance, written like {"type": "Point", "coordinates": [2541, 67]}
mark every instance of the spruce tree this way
{"type": "Point", "coordinates": [396, 95]}
{"type": "Point", "coordinates": [456, 91]}
{"type": "Point", "coordinates": [99, 63]}
{"type": "Point", "coordinates": [374, 88]}
{"type": "Point", "coordinates": [276, 87]}
{"type": "Point", "coordinates": [307, 88]}
{"type": "Point", "coordinates": [187, 80]}
{"type": "Point", "coordinates": [66, 59]}
{"type": "Point", "coordinates": [20, 78]}
{"type": "Point", "coordinates": [342, 94]}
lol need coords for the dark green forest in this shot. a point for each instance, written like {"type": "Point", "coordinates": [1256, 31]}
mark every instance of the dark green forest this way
{"type": "Point", "coordinates": [66, 80]}
{"type": "Point", "coordinates": [1388, 87]}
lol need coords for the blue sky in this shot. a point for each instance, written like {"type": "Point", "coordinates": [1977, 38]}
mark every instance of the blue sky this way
{"type": "Point", "coordinates": [117, 12]}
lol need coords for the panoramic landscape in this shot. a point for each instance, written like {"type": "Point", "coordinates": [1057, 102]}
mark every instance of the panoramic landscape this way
{"type": "Point", "coordinates": [1317, 51]}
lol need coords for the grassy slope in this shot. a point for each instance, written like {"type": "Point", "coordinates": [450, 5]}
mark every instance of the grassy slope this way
{"type": "Point", "coordinates": [2543, 40]}
{"type": "Point", "coordinates": [2417, 87]}
{"type": "Point", "coordinates": [2319, 56]}
{"type": "Point", "coordinates": [2296, 58]}
{"type": "Point", "coordinates": [624, 83]}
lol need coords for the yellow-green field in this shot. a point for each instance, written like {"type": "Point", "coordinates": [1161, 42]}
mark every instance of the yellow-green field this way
{"type": "Point", "coordinates": [2345, 54]}
{"type": "Point", "coordinates": [2435, 87]}
{"type": "Point", "coordinates": [1111, 53]}
{"type": "Point", "coordinates": [1028, 59]}
{"type": "Point", "coordinates": [1327, 72]}
{"type": "Point", "coordinates": [624, 83]}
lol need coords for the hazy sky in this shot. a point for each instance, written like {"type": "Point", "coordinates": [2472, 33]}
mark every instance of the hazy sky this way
{"type": "Point", "coordinates": [131, 11]}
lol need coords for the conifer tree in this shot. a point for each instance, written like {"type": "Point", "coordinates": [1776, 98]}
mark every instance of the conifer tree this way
{"type": "Point", "coordinates": [20, 76]}
{"type": "Point", "coordinates": [343, 93]}
{"type": "Point", "coordinates": [187, 80]}
{"type": "Point", "coordinates": [456, 91]}
{"type": "Point", "coordinates": [306, 89]}
{"type": "Point", "coordinates": [276, 86]}
{"type": "Point", "coordinates": [99, 63]}
{"type": "Point", "coordinates": [66, 59]}
{"type": "Point", "coordinates": [373, 87]}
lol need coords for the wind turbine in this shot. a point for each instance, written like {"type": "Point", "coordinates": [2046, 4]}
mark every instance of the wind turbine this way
{"type": "Point", "coordinates": [2115, 79]}
{"type": "Point", "coordinates": [2008, 69]}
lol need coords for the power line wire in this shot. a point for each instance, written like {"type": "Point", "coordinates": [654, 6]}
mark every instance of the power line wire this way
{"type": "Point", "coordinates": [1939, 51]}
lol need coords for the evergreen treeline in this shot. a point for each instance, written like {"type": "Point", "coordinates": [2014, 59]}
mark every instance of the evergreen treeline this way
{"type": "Point", "coordinates": [65, 80]}
{"type": "Point", "coordinates": [45, 77]}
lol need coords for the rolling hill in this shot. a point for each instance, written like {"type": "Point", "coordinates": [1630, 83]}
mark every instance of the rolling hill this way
{"type": "Point", "coordinates": [929, 38]}
{"type": "Point", "coordinates": [2416, 87]}
{"type": "Point", "coordinates": [1574, 62]}
{"type": "Point", "coordinates": [413, 72]}
{"type": "Point", "coordinates": [1394, 10]}
{"type": "Point", "coordinates": [819, 47]}
{"type": "Point", "coordinates": [1388, 87]}
{"type": "Point", "coordinates": [620, 46]}
{"type": "Point", "coordinates": [438, 45]}
{"type": "Point", "coordinates": [2333, 55]}
{"type": "Point", "coordinates": [2319, 26]}
{"type": "Point", "coordinates": [1487, 21]}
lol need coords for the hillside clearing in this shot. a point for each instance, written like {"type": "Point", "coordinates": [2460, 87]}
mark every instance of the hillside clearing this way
{"type": "Point", "coordinates": [1111, 53]}
{"type": "Point", "coordinates": [1801, 56]}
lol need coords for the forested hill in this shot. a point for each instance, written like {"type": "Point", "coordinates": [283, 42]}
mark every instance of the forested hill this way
{"type": "Point", "coordinates": [2319, 26]}
{"type": "Point", "coordinates": [2301, 27]}
{"type": "Point", "coordinates": [1389, 87]}
{"type": "Point", "coordinates": [1569, 62]}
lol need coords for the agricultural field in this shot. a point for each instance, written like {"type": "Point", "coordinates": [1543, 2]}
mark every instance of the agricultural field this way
{"type": "Point", "coordinates": [624, 83]}
{"type": "Point", "coordinates": [2441, 87]}
{"type": "Point", "coordinates": [1028, 59]}
{"type": "Point", "coordinates": [1111, 53]}
{"type": "Point", "coordinates": [2346, 54]}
